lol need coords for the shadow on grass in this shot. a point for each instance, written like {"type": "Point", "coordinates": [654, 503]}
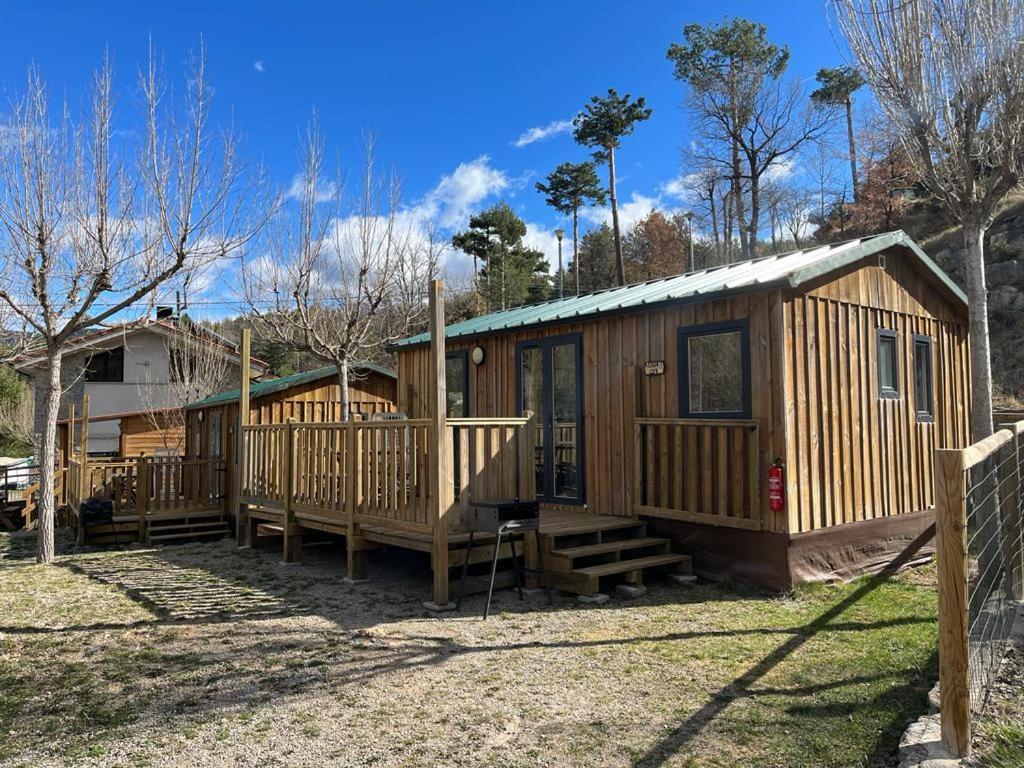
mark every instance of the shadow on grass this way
{"type": "Point", "coordinates": [744, 685]}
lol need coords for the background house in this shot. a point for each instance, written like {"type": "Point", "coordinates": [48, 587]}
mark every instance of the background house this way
{"type": "Point", "coordinates": [138, 377]}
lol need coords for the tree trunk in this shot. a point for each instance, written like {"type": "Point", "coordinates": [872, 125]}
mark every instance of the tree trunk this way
{"type": "Point", "coordinates": [343, 388]}
{"type": "Point", "coordinates": [737, 193]}
{"type": "Point", "coordinates": [576, 246]}
{"type": "Point", "coordinates": [853, 150]}
{"type": "Point", "coordinates": [714, 224]}
{"type": "Point", "coordinates": [977, 296]}
{"type": "Point", "coordinates": [48, 460]}
{"type": "Point", "coordinates": [755, 215]}
{"type": "Point", "coordinates": [619, 264]}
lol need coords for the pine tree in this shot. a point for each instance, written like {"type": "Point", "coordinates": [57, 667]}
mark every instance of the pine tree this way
{"type": "Point", "coordinates": [569, 187]}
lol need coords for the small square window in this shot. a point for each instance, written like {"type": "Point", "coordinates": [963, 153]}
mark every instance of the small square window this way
{"type": "Point", "coordinates": [924, 400]}
{"type": "Point", "coordinates": [714, 371]}
{"type": "Point", "coordinates": [888, 367]}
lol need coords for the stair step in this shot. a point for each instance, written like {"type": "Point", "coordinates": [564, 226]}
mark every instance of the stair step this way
{"type": "Point", "coordinates": [624, 566]}
{"type": "Point", "coordinates": [609, 546]}
{"type": "Point", "coordinates": [184, 514]}
{"type": "Point", "coordinates": [186, 535]}
{"type": "Point", "coordinates": [162, 528]}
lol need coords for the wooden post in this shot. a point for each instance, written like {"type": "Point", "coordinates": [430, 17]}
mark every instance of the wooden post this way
{"type": "Point", "coordinates": [527, 491]}
{"type": "Point", "coordinates": [142, 497]}
{"type": "Point", "coordinates": [951, 548]}
{"type": "Point", "coordinates": [353, 542]}
{"type": "Point", "coordinates": [70, 448]}
{"type": "Point", "coordinates": [440, 491]}
{"type": "Point", "coordinates": [1009, 513]}
{"type": "Point", "coordinates": [244, 535]}
{"type": "Point", "coordinates": [84, 480]}
{"type": "Point", "coordinates": [292, 532]}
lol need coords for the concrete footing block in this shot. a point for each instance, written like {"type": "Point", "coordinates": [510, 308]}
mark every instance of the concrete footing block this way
{"type": "Point", "coordinates": [922, 747]}
{"type": "Point", "coordinates": [683, 578]}
{"type": "Point", "coordinates": [353, 582]}
{"type": "Point", "coordinates": [598, 599]}
{"type": "Point", "coordinates": [631, 591]}
{"type": "Point", "coordinates": [433, 607]}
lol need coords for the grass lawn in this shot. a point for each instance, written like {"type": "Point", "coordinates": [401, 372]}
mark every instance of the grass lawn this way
{"type": "Point", "coordinates": [201, 655]}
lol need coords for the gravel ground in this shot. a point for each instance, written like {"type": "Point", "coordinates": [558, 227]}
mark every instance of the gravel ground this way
{"type": "Point", "coordinates": [203, 655]}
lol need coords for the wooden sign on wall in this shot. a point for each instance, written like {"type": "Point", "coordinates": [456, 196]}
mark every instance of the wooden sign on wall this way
{"type": "Point", "coordinates": [654, 367]}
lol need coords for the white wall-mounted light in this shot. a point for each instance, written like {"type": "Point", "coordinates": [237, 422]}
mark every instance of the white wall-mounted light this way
{"type": "Point", "coordinates": [478, 355]}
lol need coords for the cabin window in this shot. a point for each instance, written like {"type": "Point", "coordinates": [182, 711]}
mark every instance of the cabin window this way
{"type": "Point", "coordinates": [456, 376]}
{"type": "Point", "coordinates": [215, 436]}
{"type": "Point", "coordinates": [924, 401]}
{"type": "Point", "coordinates": [888, 373]}
{"type": "Point", "coordinates": [106, 366]}
{"type": "Point", "coordinates": [714, 368]}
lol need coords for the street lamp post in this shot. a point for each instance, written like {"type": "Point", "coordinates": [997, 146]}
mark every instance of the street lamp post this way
{"type": "Point", "coordinates": [689, 232]}
{"type": "Point", "coordinates": [561, 275]}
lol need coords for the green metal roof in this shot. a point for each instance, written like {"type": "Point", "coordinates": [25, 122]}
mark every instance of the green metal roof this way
{"type": "Point", "coordinates": [264, 388]}
{"type": "Point", "coordinates": [789, 269]}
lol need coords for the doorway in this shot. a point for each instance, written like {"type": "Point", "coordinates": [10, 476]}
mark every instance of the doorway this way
{"type": "Point", "coordinates": [549, 382]}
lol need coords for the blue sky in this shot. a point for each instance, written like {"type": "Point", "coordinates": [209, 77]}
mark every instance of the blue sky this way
{"type": "Point", "coordinates": [447, 87]}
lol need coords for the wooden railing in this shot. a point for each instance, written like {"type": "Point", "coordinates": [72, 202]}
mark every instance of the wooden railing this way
{"type": "Point", "coordinates": [21, 484]}
{"type": "Point", "coordinates": [378, 469]}
{"type": "Point", "coordinates": [698, 470]}
{"type": "Point", "coordinates": [148, 484]}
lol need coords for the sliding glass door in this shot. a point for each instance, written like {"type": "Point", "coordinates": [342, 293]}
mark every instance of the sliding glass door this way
{"type": "Point", "coordinates": [550, 383]}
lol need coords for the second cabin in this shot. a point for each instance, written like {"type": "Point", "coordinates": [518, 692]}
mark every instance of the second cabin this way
{"type": "Point", "coordinates": [776, 419]}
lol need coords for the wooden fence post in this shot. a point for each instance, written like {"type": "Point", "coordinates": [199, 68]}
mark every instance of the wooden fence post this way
{"type": "Point", "coordinates": [292, 532]}
{"type": "Point", "coordinates": [353, 543]}
{"type": "Point", "coordinates": [142, 497]}
{"type": "Point", "coordinates": [440, 491]}
{"type": "Point", "coordinates": [244, 534]}
{"type": "Point", "coordinates": [951, 548]}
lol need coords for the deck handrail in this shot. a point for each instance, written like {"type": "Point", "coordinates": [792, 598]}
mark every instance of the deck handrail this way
{"type": "Point", "coordinates": [698, 470]}
{"type": "Point", "coordinates": [376, 471]}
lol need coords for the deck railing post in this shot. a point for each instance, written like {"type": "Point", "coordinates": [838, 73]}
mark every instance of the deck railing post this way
{"type": "Point", "coordinates": [353, 545]}
{"type": "Point", "coordinates": [142, 497]}
{"type": "Point", "coordinates": [292, 532]}
{"type": "Point", "coordinates": [439, 461]}
{"type": "Point", "coordinates": [243, 531]}
{"type": "Point", "coordinates": [951, 548]}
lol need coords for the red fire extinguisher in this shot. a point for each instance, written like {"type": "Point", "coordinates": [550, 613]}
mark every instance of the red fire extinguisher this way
{"type": "Point", "coordinates": [776, 486]}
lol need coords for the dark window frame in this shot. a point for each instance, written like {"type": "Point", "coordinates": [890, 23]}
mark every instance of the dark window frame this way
{"type": "Point", "coordinates": [888, 335]}
{"type": "Point", "coordinates": [104, 375]}
{"type": "Point", "coordinates": [924, 415]}
{"type": "Point", "coordinates": [684, 333]}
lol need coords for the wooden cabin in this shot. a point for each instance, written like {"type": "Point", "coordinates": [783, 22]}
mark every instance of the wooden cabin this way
{"type": "Point", "coordinates": [668, 403]}
{"type": "Point", "coordinates": [309, 397]}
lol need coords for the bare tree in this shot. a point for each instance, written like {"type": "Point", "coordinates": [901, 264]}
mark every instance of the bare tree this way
{"type": "Point", "coordinates": [949, 74]}
{"type": "Point", "coordinates": [91, 226]}
{"type": "Point", "coordinates": [198, 366]}
{"type": "Point", "coordinates": [342, 276]}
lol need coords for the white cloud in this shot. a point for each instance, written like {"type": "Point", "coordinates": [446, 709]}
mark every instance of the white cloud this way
{"type": "Point", "coordinates": [781, 169]}
{"type": "Point", "coordinates": [259, 66]}
{"type": "Point", "coordinates": [457, 194]}
{"type": "Point", "coordinates": [630, 212]}
{"type": "Point", "coordinates": [325, 189]}
{"type": "Point", "coordinates": [542, 132]}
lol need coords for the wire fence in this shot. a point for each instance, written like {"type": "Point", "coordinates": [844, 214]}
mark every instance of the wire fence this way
{"type": "Point", "coordinates": [992, 539]}
{"type": "Point", "coordinates": [979, 518]}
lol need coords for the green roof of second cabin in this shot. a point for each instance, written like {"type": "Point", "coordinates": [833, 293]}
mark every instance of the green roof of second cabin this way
{"type": "Point", "coordinates": [784, 270]}
{"type": "Point", "coordinates": [270, 386]}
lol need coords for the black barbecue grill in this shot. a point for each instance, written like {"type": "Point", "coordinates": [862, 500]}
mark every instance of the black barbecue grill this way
{"type": "Point", "coordinates": [510, 518]}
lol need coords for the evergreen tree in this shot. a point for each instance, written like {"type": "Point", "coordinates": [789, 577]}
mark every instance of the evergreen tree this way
{"type": "Point", "coordinates": [597, 259]}
{"type": "Point", "coordinates": [511, 274]}
{"type": "Point", "coordinates": [837, 87]}
{"type": "Point", "coordinates": [569, 187]}
{"type": "Point", "coordinates": [601, 125]}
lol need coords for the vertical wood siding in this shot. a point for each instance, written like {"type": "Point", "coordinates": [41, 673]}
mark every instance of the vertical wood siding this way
{"type": "Point", "coordinates": [851, 454]}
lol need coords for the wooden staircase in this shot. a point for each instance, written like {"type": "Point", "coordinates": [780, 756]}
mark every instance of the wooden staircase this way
{"type": "Point", "coordinates": [177, 528]}
{"type": "Point", "coordinates": [601, 551]}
